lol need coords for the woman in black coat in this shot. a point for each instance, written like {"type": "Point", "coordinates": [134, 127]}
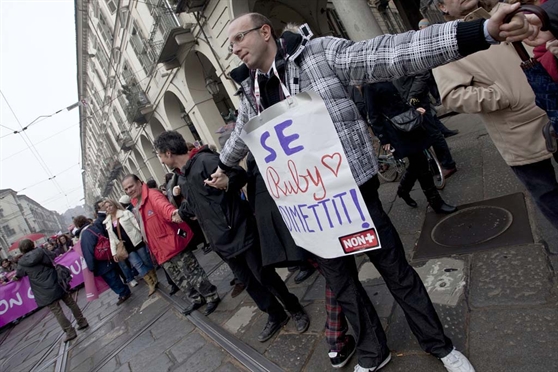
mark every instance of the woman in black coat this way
{"type": "Point", "coordinates": [383, 101]}
{"type": "Point", "coordinates": [37, 264]}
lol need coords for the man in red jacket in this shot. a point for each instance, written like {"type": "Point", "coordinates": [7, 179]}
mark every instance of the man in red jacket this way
{"type": "Point", "coordinates": [169, 243]}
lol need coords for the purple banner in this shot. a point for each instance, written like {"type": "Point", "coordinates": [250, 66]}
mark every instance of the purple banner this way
{"type": "Point", "coordinates": [16, 298]}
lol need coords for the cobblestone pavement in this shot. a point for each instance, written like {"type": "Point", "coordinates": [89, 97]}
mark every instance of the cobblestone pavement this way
{"type": "Point", "coordinates": [498, 306]}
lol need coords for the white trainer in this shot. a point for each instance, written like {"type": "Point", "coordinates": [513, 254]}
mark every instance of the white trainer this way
{"type": "Point", "coordinates": [457, 362]}
{"type": "Point", "coordinates": [133, 283]}
{"type": "Point", "coordinates": [358, 368]}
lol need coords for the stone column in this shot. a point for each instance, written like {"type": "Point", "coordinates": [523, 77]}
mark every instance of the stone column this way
{"type": "Point", "coordinates": [357, 18]}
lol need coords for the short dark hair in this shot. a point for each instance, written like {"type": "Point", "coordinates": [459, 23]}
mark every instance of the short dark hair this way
{"type": "Point", "coordinates": [152, 184]}
{"type": "Point", "coordinates": [26, 245]}
{"type": "Point", "coordinates": [96, 206]}
{"type": "Point", "coordinates": [80, 221]}
{"type": "Point", "coordinates": [171, 141]}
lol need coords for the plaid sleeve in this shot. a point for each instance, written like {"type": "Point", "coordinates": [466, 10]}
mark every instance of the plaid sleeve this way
{"type": "Point", "coordinates": [388, 57]}
{"type": "Point", "coordinates": [235, 149]}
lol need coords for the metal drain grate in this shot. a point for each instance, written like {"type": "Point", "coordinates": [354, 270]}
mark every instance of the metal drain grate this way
{"type": "Point", "coordinates": [493, 223]}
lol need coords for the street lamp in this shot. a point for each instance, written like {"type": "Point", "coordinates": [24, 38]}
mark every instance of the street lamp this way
{"type": "Point", "coordinates": [212, 86]}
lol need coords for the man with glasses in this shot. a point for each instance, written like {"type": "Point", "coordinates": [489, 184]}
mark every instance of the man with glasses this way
{"type": "Point", "coordinates": [328, 66]}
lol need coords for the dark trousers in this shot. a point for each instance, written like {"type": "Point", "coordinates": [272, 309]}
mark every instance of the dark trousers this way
{"type": "Point", "coordinates": [336, 326]}
{"type": "Point", "coordinates": [58, 313]}
{"type": "Point", "coordinates": [263, 284]}
{"type": "Point", "coordinates": [540, 180]}
{"type": "Point", "coordinates": [417, 170]}
{"type": "Point", "coordinates": [115, 283]}
{"type": "Point", "coordinates": [438, 142]}
{"type": "Point", "coordinates": [402, 281]}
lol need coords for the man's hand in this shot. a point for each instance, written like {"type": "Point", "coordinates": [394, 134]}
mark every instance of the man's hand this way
{"type": "Point", "coordinates": [539, 37]}
{"type": "Point", "coordinates": [516, 30]}
{"type": "Point", "coordinates": [176, 217]}
{"type": "Point", "coordinates": [387, 147]}
{"type": "Point", "coordinates": [219, 180]}
{"type": "Point", "coordinates": [176, 190]}
{"type": "Point", "coordinates": [552, 47]}
{"type": "Point", "coordinates": [421, 110]}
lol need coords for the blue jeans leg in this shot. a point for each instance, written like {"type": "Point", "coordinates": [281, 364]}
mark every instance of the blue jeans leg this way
{"type": "Point", "coordinates": [114, 282]}
{"type": "Point", "coordinates": [126, 270]}
{"type": "Point", "coordinates": [141, 261]}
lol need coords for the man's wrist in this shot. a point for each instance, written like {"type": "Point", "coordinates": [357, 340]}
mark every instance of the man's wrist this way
{"type": "Point", "coordinates": [489, 39]}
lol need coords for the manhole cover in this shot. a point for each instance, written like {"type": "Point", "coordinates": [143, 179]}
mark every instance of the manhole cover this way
{"type": "Point", "coordinates": [470, 226]}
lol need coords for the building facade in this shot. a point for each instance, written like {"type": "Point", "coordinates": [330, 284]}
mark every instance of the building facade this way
{"type": "Point", "coordinates": [148, 66]}
{"type": "Point", "coordinates": [20, 216]}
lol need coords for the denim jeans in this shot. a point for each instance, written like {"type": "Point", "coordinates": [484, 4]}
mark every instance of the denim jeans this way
{"type": "Point", "coordinates": [141, 261]}
{"type": "Point", "coordinates": [540, 180]}
{"type": "Point", "coordinates": [113, 280]}
{"type": "Point", "coordinates": [128, 275]}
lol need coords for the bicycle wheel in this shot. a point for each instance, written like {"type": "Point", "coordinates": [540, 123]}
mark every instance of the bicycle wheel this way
{"type": "Point", "coordinates": [389, 168]}
{"type": "Point", "coordinates": [436, 169]}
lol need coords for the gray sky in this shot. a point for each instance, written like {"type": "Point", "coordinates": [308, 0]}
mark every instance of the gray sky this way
{"type": "Point", "coordinates": [38, 77]}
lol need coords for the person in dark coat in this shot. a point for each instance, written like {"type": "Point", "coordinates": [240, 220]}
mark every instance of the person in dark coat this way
{"type": "Point", "coordinates": [89, 234]}
{"type": "Point", "coordinates": [415, 91]}
{"type": "Point", "coordinates": [230, 227]}
{"type": "Point", "coordinates": [37, 264]}
{"type": "Point", "coordinates": [383, 102]}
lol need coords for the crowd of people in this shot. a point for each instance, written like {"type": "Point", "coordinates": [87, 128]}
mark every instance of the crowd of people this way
{"type": "Point", "coordinates": [210, 200]}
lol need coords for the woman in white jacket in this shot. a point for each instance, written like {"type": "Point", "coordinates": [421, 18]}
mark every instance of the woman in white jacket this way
{"type": "Point", "coordinates": [121, 219]}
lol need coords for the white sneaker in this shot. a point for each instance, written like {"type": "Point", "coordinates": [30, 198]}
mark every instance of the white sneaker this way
{"type": "Point", "coordinates": [457, 362]}
{"type": "Point", "coordinates": [358, 368]}
{"type": "Point", "coordinates": [133, 283]}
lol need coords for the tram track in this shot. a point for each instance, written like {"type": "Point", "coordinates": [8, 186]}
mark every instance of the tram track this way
{"type": "Point", "coordinates": [241, 352]}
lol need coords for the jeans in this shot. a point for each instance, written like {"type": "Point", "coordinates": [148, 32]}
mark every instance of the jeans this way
{"type": "Point", "coordinates": [401, 279]}
{"type": "Point", "coordinates": [128, 275]}
{"type": "Point", "coordinates": [540, 180]}
{"type": "Point", "coordinates": [58, 313]}
{"type": "Point", "coordinates": [263, 284]}
{"type": "Point", "coordinates": [115, 283]}
{"type": "Point", "coordinates": [141, 260]}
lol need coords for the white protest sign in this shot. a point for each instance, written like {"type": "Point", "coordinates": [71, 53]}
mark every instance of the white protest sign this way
{"type": "Point", "coordinates": [307, 173]}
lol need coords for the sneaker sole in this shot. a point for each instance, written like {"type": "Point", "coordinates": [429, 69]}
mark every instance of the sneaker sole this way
{"type": "Point", "coordinates": [386, 361]}
{"type": "Point", "coordinates": [278, 329]}
{"type": "Point", "coordinates": [341, 365]}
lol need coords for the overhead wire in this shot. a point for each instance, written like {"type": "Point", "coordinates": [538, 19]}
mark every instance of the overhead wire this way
{"type": "Point", "coordinates": [32, 147]}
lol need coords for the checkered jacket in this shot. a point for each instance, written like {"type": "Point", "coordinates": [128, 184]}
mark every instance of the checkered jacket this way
{"type": "Point", "coordinates": [327, 65]}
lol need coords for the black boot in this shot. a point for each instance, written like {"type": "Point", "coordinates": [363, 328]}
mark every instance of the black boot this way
{"type": "Point", "coordinates": [436, 202]}
{"type": "Point", "coordinates": [406, 185]}
{"type": "Point", "coordinates": [407, 198]}
{"type": "Point", "coordinates": [174, 289]}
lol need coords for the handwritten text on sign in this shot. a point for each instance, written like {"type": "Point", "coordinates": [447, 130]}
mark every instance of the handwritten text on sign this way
{"type": "Point", "coordinates": [307, 173]}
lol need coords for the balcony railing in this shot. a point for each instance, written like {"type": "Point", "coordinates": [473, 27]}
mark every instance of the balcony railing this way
{"type": "Point", "coordinates": [138, 105]}
{"type": "Point", "coordinates": [188, 6]}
